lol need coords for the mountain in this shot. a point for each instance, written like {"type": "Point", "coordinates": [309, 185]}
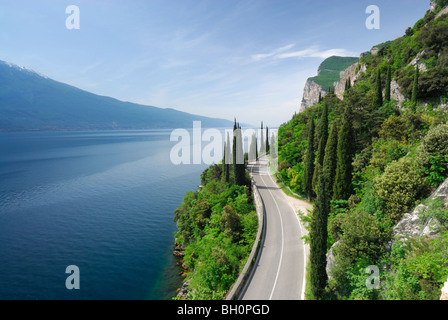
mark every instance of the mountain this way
{"type": "Point", "coordinates": [327, 74]}
{"type": "Point", "coordinates": [31, 101]}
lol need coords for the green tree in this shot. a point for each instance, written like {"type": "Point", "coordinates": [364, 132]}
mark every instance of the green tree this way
{"type": "Point", "coordinates": [227, 160]}
{"type": "Point", "coordinates": [414, 96]}
{"type": "Point", "coordinates": [309, 161]}
{"type": "Point", "coordinates": [330, 159]}
{"type": "Point", "coordinates": [238, 156]}
{"type": "Point", "coordinates": [230, 223]}
{"type": "Point", "coordinates": [342, 188]}
{"type": "Point", "coordinates": [388, 81]}
{"type": "Point", "coordinates": [323, 137]}
{"type": "Point", "coordinates": [263, 145]}
{"type": "Point", "coordinates": [378, 97]}
{"type": "Point", "coordinates": [400, 187]}
{"type": "Point", "coordinates": [318, 240]}
{"type": "Point", "coordinates": [267, 139]}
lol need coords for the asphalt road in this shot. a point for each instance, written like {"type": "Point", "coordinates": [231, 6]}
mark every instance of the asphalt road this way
{"type": "Point", "coordinates": [279, 274]}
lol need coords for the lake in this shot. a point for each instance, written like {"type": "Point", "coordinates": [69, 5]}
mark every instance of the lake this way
{"type": "Point", "coordinates": [102, 201]}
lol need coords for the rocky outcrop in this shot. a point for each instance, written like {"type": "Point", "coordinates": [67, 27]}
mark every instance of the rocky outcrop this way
{"type": "Point", "coordinates": [417, 61]}
{"type": "Point", "coordinates": [445, 292]}
{"type": "Point", "coordinates": [352, 73]}
{"type": "Point", "coordinates": [311, 94]}
{"type": "Point", "coordinates": [433, 5]}
{"type": "Point", "coordinates": [330, 260]}
{"type": "Point", "coordinates": [395, 92]}
{"type": "Point", "coordinates": [183, 291]}
{"type": "Point", "coordinates": [312, 89]}
{"type": "Point", "coordinates": [412, 225]}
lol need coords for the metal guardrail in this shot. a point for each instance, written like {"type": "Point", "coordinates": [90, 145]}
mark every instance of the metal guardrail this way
{"type": "Point", "coordinates": [248, 269]}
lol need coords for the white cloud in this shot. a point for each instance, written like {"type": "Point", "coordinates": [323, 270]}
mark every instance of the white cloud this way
{"type": "Point", "coordinates": [274, 53]}
{"type": "Point", "coordinates": [311, 52]}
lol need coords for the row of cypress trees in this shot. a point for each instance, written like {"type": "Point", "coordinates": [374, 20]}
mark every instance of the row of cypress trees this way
{"type": "Point", "coordinates": [331, 173]}
{"type": "Point", "coordinates": [233, 159]}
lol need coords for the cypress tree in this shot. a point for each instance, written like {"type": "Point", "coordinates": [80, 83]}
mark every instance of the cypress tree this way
{"type": "Point", "coordinates": [318, 240]}
{"type": "Point", "coordinates": [238, 156]}
{"type": "Point", "coordinates": [378, 98]}
{"type": "Point", "coordinates": [267, 140]}
{"type": "Point", "coordinates": [388, 81]}
{"type": "Point", "coordinates": [263, 145]}
{"type": "Point", "coordinates": [330, 159]}
{"type": "Point", "coordinates": [323, 137]}
{"type": "Point", "coordinates": [415, 90]}
{"type": "Point", "coordinates": [342, 188]}
{"type": "Point", "coordinates": [256, 149]}
{"type": "Point", "coordinates": [253, 145]}
{"type": "Point", "coordinates": [227, 159]}
{"type": "Point", "coordinates": [224, 165]}
{"type": "Point", "coordinates": [309, 161]}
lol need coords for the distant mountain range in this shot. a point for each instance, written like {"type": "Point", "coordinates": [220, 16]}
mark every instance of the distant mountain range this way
{"type": "Point", "coordinates": [31, 101]}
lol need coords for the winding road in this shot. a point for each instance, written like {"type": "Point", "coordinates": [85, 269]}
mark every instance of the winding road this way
{"type": "Point", "coordinates": [279, 272]}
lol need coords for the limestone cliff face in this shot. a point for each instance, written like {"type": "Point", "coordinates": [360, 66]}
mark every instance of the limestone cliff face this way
{"type": "Point", "coordinates": [395, 92]}
{"type": "Point", "coordinates": [433, 5]}
{"type": "Point", "coordinates": [411, 225]}
{"type": "Point", "coordinates": [311, 94]}
{"type": "Point", "coordinates": [312, 89]}
{"type": "Point", "coordinates": [353, 73]}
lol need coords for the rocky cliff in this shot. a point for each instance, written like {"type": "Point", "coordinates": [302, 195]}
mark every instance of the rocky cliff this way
{"type": "Point", "coordinates": [330, 73]}
{"type": "Point", "coordinates": [412, 225]}
{"type": "Point", "coordinates": [311, 94]}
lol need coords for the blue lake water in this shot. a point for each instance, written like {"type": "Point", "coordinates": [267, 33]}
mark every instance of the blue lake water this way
{"type": "Point", "coordinates": [102, 201]}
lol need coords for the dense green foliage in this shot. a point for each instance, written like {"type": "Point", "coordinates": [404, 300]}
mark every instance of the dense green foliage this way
{"type": "Point", "coordinates": [389, 157]}
{"type": "Point", "coordinates": [309, 161]}
{"type": "Point", "coordinates": [217, 225]}
{"type": "Point", "coordinates": [318, 240]}
{"type": "Point", "coordinates": [329, 70]}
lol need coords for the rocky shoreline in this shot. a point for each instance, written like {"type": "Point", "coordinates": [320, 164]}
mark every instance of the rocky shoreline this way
{"type": "Point", "coordinates": [179, 253]}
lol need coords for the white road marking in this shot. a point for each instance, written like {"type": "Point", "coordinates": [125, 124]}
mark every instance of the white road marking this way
{"type": "Point", "coordinates": [283, 239]}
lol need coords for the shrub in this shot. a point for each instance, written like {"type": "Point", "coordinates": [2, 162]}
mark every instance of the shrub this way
{"type": "Point", "coordinates": [400, 187]}
{"type": "Point", "coordinates": [432, 155]}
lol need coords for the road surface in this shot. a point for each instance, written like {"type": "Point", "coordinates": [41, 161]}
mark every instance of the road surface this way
{"type": "Point", "coordinates": [279, 274]}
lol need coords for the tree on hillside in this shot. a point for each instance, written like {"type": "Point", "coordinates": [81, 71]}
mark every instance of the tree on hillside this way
{"type": "Point", "coordinates": [318, 240]}
{"type": "Point", "coordinates": [415, 90]}
{"type": "Point", "coordinates": [323, 137]}
{"type": "Point", "coordinates": [342, 188]}
{"type": "Point", "coordinates": [238, 156]}
{"type": "Point", "coordinates": [227, 160]}
{"type": "Point", "coordinates": [263, 145]}
{"type": "Point", "coordinates": [267, 140]}
{"type": "Point", "coordinates": [378, 97]}
{"type": "Point", "coordinates": [309, 161]}
{"type": "Point", "coordinates": [388, 81]}
{"type": "Point", "coordinates": [330, 159]}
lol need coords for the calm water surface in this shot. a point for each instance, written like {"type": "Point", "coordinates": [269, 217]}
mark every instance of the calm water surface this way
{"type": "Point", "coordinates": [102, 201]}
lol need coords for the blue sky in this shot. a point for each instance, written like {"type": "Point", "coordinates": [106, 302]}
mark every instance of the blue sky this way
{"type": "Point", "coordinates": [221, 58]}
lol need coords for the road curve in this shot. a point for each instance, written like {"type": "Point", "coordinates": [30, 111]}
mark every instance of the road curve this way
{"type": "Point", "coordinates": [279, 272]}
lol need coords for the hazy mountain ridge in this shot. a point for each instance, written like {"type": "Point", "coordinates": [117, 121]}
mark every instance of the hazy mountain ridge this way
{"type": "Point", "coordinates": [31, 101]}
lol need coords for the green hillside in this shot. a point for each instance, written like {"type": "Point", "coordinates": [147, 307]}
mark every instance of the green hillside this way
{"type": "Point", "coordinates": [329, 70]}
{"type": "Point", "coordinates": [375, 160]}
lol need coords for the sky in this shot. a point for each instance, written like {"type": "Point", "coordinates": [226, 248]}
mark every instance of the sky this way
{"type": "Point", "coordinates": [247, 59]}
